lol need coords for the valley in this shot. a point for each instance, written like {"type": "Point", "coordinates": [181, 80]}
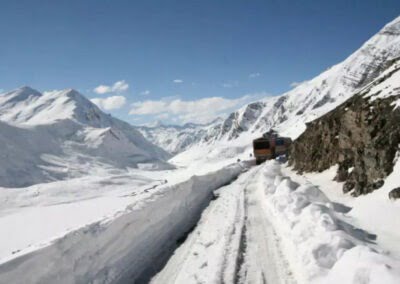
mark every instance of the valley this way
{"type": "Point", "coordinates": [86, 197]}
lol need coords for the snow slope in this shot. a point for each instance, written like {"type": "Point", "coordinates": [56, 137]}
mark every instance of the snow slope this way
{"type": "Point", "coordinates": [386, 85]}
{"type": "Point", "coordinates": [61, 134]}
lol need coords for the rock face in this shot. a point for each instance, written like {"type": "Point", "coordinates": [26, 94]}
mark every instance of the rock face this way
{"type": "Point", "coordinates": [362, 136]}
{"type": "Point", "coordinates": [395, 193]}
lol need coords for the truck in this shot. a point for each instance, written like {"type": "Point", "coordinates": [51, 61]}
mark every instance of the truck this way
{"type": "Point", "coordinates": [270, 146]}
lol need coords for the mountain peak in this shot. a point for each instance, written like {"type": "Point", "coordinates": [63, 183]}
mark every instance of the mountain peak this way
{"type": "Point", "coordinates": [26, 90]}
{"type": "Point", "coordinates": [18, 95]}
{"type": "Point", "coordinates": [71, 93]}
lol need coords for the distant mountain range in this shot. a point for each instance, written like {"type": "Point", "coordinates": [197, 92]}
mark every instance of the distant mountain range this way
{"type": "Point", "coordinates": [177, 138]}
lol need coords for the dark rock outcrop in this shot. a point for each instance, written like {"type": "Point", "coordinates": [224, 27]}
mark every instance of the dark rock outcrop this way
{"type": "Point", "coordinates": [361, 136]}
{"type": "Point", "coordinates": [395, 193]}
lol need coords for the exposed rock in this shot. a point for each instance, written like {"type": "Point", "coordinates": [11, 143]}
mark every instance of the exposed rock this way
{"type": "Point", "coordinates": [361, 136]}
{"type": "Point", "coordinates": [395, 193]}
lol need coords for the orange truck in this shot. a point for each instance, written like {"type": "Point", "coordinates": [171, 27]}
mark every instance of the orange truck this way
{"type": "Point", "coordinates": [270, 146]}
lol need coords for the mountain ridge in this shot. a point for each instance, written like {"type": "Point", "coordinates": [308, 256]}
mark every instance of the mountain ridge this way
{"type": "Point", "coordinates": [70, 137]}
{"type": "Point", "coordinates": [288, 113]}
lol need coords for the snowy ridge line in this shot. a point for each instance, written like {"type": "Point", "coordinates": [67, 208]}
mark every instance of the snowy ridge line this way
{"type": "Point", "coordinates": [129, 247]}
{"type": "Point", "coordinates": [319, 245]}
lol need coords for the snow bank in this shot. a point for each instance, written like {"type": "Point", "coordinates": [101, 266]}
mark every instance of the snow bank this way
{"type": "Point", "coordinates": [319, 244]}
{"type": "Point", "coordinates": [373, 212]}
{"type": "Point", "coordinates": [127, 247]}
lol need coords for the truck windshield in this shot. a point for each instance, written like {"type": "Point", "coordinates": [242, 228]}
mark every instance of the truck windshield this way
{"type": "Point", "coordinates": [261, 145]}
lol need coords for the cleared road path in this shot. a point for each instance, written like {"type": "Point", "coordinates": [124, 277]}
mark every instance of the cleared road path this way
{"type": "Point", "coordinates": [234, 242]}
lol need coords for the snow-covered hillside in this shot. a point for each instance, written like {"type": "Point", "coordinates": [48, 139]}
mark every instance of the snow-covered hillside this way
{"type": "Point", "coordinates": [174, 138]}
{"type": "Point", "coordinates": [289, 112]}
{"type": "Point", "coordinates": [61, 134]}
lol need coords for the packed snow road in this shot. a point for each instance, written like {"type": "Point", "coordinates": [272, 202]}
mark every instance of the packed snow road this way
{"type": "Point", "coordinates": [234, 242]}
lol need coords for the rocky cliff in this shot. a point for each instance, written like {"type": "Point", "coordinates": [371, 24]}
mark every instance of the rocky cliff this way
{"type": "Point", "coordinates": [361, 136]}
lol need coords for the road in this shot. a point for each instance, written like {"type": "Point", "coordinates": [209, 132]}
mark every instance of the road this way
{"type": "Point", "coordinates": [234, 241]}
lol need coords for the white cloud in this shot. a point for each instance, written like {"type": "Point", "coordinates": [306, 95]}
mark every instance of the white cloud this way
{"type": "Point", "coordinates": [109, 103]}
{"type": "Point", "coordinates": [177, 81]}
{"type": "Point", "coordinates": [200, 111]}
{"type": "Point", "coordinates": [295, 84]}
{"type": "Point", "coordinates": [117, 87]}
{"type": "Point", "coordinates": [102, 89]}
{"type": "Point", "coordinates": [145, 93]}
{"type": "Point", "coordinates": [254, 75]}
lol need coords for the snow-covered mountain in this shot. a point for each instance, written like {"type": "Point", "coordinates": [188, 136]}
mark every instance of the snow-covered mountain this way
{"type": "Point", "coordinates": [62, 134]}
{"type": "Point", "coordinates": [289, 112]}
{"type": "Point", "coordinates": [175, 138]}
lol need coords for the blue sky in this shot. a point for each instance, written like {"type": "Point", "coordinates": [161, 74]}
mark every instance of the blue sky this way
{"type": "Point", "coordinates": [168, 58]}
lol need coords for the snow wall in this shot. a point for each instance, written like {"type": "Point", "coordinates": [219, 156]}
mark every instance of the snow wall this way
{"type": "Point", "coordinates": [128, 248]}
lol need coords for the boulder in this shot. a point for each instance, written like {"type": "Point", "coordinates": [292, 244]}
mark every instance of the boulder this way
{"type": "Point", "coordinates": [395, 193]}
